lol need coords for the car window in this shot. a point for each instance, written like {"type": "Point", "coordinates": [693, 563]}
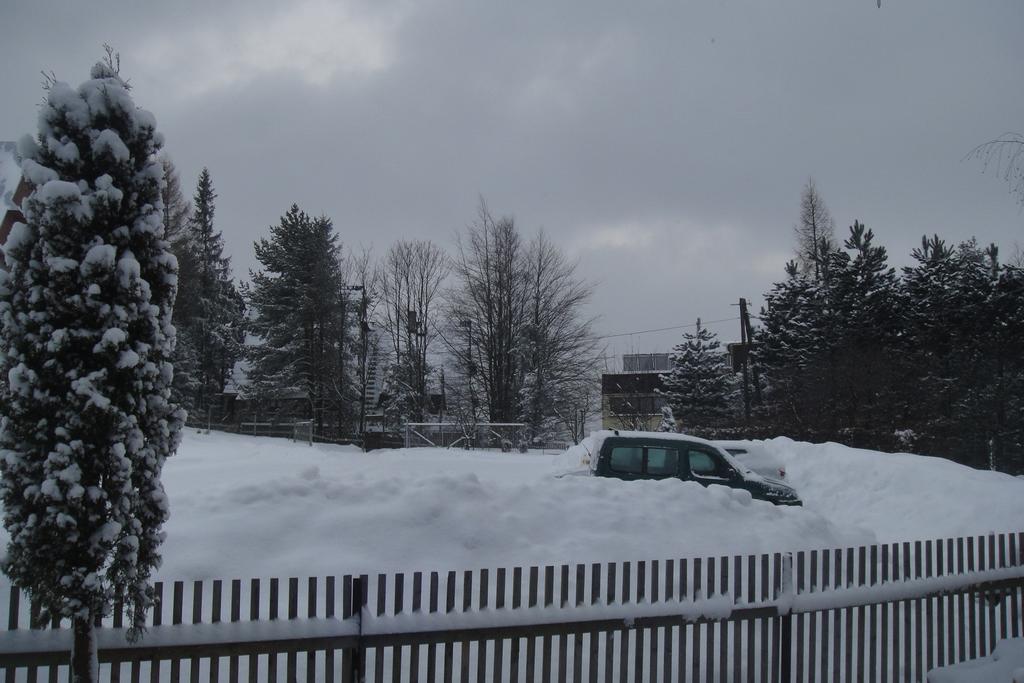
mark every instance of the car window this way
{"type": "Point", "coordinates": [703, 464]}
{"type": "Point", "coordinates": [662, 461]}
{"type": "Point", "coordinates": [628, 459]}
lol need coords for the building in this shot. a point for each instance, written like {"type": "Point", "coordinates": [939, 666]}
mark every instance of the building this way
{"type": "Point", "coordinates": [13, 189]}
{"type": "Point", "coordinates": [630, 399]}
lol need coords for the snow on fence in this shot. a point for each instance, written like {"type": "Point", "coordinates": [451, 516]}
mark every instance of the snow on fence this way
{"type": "Point", "coordinates": [871, 613]}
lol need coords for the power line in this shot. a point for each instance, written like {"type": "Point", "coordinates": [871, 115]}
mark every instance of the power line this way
{"type": "Point", "coordinates": [666, 329]}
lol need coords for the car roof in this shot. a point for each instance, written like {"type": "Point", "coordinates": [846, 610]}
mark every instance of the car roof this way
{"type": "Point", "coordinates": [600, 436]}
{"type": "Point", "coordinates": [603, 434]}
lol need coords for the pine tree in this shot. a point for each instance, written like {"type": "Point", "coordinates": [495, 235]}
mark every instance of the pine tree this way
{"type": "Point", "coordinates": [216, 327]}
{"type": "Point", "coordinates": [700, 384]}
{"type": "Point", "coordinates": [177, 213]}
{"type": "Point", "coordinates": [299, 315]}
{"type": "Point", "coordinates": [790, 344]}
{"type": "Point", "coordinates": [85, 321]}
{"type": "Point", "coordinates": [668, 420]}
{"type": "Point", "coordinates": [864, 333]}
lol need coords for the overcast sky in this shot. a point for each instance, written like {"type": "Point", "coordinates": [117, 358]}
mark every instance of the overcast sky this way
{"type": "Point", "coordinates": [664, 146]}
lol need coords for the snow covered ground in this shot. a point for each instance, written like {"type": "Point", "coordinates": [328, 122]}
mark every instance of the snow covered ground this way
{"type": "Point", "coordinates": [247, 506]}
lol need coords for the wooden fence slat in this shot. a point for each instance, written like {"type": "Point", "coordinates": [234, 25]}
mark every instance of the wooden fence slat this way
{"type": "Point", "coordinates": [737, 628]}
{"type": "Point", "coordinates": [329, 611]}
{"type": "Point", "coordinates": [812, 636]}
{"type": "Point", "coordinates": [751, 626]}
{"type": "Point", "coordinates": [499, 604]}
{"type": "Point", "coordinates": [884, 610]}
{"type": "Point", "coordinates": [531, 642]}
{"type": "Point", "coordinates": [349, 658]}
{"type": "Point", "coordinates": [638, 648]}
{"type": "Point", "coordinates": [624, 637]}
{"type": "Point", "coordinates": [826, 617]}
{"type": "Point", "coordinates": [951, 605]}
{"type": "Point", "coordinates": [780, 653]}
{"type": "Point", "coordinates": [897, 613]}
{"type": "Point", "coordinates": [848, 614]}
{"type": "Point", "coordinates": [991, 562]}
{"type": "Point", "coordinates": [432, 609]}
{"type": "Point", "coordinates": [292, 658]}
{"type": "Point", "coordinates": [764, 595]}
{"type": "Point", "coordinates": [722, 627]}
{"type": "Point", "coordinates": [654, 651]}
{"type": "Point", "coordinates": [862, 565]}
{"type": "Point", "coordinates": [481, 645]}
{"type": "Point", "coordinates": [872, 617]}
{"type": "Point", "coordinates": [1004, 611]}
{"type": "Point", "coordinates": [563, 641]}
{"type": "Point", "coordinates": [467, 603]}
{"type": "Point", "coordinates": [801, 619]}
{"type": "Point", "coordinates": [609, 638]}
{"type": "Point", "coordinates": [710, 582]}
{"type": "Point", "coordinates": [961, 606]}
{"type": "Point", "coordinates": [696, 581]}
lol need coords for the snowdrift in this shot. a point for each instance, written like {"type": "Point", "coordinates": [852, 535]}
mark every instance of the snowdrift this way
{"type": "Point", "coordinates": [246, 507]}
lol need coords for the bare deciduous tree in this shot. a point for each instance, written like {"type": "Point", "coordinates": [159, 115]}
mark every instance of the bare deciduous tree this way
{"type": "Point", "coordinates": [486, 313]}
{"type": "Point", "coordinates": [815, 233]}
{"type": "Point", "coordinates": [559, 352]}
{"type": "Point", "coordinates": [516, 329]}
{"type": "Point", "coordinates": [1005, 155]}
{"type": "Point", "coordinates": [408, 283]}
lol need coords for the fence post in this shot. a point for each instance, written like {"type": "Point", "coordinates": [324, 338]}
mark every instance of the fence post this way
{"type": "Point", "coordinates": [785, 606]}
{"type": "Point", "coordinates": [358, 660]}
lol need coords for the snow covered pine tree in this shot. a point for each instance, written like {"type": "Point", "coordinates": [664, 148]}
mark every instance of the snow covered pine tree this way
{"type": "Point", "coordinates": [86, 333]}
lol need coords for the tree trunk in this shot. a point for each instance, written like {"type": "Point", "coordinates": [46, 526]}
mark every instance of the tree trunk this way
{"type": "Point", "coordinates": [85, 666]}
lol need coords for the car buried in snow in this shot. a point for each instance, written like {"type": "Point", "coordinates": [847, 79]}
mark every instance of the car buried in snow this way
{"type": "Point", "coordinates": [662, 455]}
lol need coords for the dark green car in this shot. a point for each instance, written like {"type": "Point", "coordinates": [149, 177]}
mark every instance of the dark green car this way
{"type": "Point", "coordinates": [657, 455]}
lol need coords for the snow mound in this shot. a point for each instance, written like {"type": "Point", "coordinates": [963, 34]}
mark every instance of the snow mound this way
{"type": "Point", "coordinates": [1005, 664]}
{"type": "Point", "coordinates": [899, 496]}
{"type": "Point", "coordinates": [244, 506]}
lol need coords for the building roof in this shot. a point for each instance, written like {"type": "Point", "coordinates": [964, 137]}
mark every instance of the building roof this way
{"type": "Point", "coordinates": [10, 175]}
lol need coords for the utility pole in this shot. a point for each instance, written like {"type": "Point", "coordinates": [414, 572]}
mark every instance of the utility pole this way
{"type": "Point", "coordinates": [471, 368]}
{"type": "Point", "coordinates": [364, 330]}
{"type": "Point", "coordinates": [744, 344]}
{"type": "Point", "coordinates": [749, 340]}
{"type": "Point", "coordinates": [742, 353]}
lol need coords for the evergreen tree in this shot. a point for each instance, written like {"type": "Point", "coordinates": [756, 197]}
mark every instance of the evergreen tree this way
{"type": "Point", "coordinates": [85, 321]}
{"type": "Point", "coordinates": [177, 212]}
{"type": "Point", "coordinates": [864, 333]}
{"type": "Point", "coordinates": [668, 420]}
{"type": "Point", "coordinates": [212, 320]}
{"type": "Point", "coordinates": [299, 315]}
{"type": "Point", "coordinates": [700, 384]}
{"type": "Point", "coordinates": [790, 344]}
{"type": "Point", "coordinates": [935, 357]}
{"type": "Point", "coordinates": [176, 207]}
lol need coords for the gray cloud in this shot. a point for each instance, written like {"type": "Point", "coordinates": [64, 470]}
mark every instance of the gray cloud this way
{"type": "Point", "coordinates": [663, 146]}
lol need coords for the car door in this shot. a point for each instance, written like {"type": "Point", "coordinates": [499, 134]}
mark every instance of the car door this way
{"type": "Point", "coordinates": [661, 461]}
{"type": "Point", "coordinates": [705, 466]}
{"type": "Point", "coordinates": [626, 461]}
